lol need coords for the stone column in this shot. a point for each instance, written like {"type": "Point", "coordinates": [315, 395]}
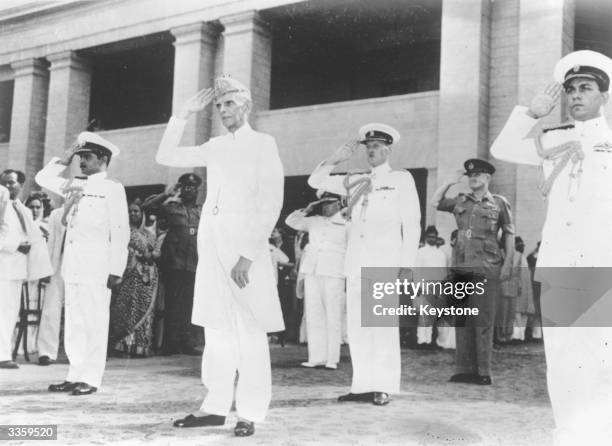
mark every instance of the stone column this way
{"type": "Point", "coordinates": [69, 96]}
{"type": "Point", "coordinates": [26, 147]}
{"type": "Point", "coordinates": [464, 85]}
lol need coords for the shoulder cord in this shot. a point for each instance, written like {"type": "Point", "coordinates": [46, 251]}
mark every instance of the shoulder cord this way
{"type": "Point", "coordinates": [360, 187]}
{"type": "Point", "coordinates": [563, 154]}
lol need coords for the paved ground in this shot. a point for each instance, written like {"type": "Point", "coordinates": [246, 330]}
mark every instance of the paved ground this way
{"type": "Point", "coordinates": [141, 397]}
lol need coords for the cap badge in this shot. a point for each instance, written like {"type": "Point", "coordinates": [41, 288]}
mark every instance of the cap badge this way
{"type": "Point", "coordinates": [471, 166]}
{"type": "Point", "coordinates": [576, 68]}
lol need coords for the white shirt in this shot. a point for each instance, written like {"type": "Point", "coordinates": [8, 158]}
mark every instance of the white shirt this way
{"type": "Point", "coordinates": [98, 231]}
{"type": "Point", "coordinates": [326, 241]}
{"type": "Point", "coordinates": [386, 231]}
{"type": "Point", "coordinates": [575, 203]}
{"type": "Point", "coordinates": [14, 264]}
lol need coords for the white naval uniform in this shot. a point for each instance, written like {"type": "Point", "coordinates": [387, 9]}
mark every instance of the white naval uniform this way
{"type": "Point", "coordinates": [324, 283]}
{"type": "Point", "coordinates": [50, 321]}
{"type": "Point", "coordinates": [95, 246]}
{"type": "Point", "coordinates": [385, 233]}
{"type": "Point", "coordinates": [579, 358]}
{"type": "Point", "coordinates": [243, 201]}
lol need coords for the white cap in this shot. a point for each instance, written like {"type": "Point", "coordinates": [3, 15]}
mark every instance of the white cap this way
{"type": "Point", "coordinates": [378, 132]}
{"type": "Point", "coordinates": [226, 84]}
{"type": "Point", "coordinates": [585, 63]}
{"type": "Point", "coordinates": [86, 139]}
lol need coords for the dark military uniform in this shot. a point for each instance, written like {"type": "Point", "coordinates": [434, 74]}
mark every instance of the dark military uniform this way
{"type": "Point", "coordinates": [477, 256]}
{"type": "Point", "coordinates": [178, 263]}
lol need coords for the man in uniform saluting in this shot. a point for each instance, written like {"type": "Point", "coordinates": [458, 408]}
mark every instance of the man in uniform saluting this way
{"type": "Point", "coordinates": [95, 251]}
{"type": "Point", "coordinates": [576, 160]}
{"type": "Point", "coordinates": [235, 297]}
{"type": "Point", "coordinates": [384, 231]}
{"type": "Point", "coordinates": [478, 256]}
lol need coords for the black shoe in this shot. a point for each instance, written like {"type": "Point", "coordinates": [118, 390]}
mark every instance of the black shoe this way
{"type": "Point", "coordinates": [483, 380]}
{"type": "Point", "coordinates": [463, 378]}
{"type": "Point", "coordinates": [45, 360]}
{"type": "Point", "coordinates": [8, 365]}
{"type": "Point", "coordinates": [193, 421]}
{"type": "Point", "coordinates": [244, 429]}
{"type": "Point", "coordinates": [380, 398]}
{"type": "Point", "coordinates": [359, 397]}
{"type": "Point", "coordinates": [83, 389]}
{"type": "Point", "coordinates": [66, 386]}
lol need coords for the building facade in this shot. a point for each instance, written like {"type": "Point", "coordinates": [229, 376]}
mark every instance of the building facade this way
{"type": "Point", "coordinates": [445, 73]}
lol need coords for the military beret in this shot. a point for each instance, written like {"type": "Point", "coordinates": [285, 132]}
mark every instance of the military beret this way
{"type": "Point", "coordinates": [190, 179]}
{"type": "Point", "coordinates": [378, 132]}
{"type": "Point", "coordinates": [476, 165]}
{"type": "Point", "coordinates": [585, 63]}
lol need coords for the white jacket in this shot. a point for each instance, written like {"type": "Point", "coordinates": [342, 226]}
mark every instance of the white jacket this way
{"type": "Point", "coordinates": [98, 232]}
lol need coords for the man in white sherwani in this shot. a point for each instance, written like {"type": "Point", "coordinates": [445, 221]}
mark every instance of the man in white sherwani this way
{"type": "Point", "coordinates": [235, 296]}
{"type": "Point", "coordinates": [23, 256]}
{"type": "Point", "coordinates": [50, 320]}
{"type": "Point", "coordinates": [384, 231]}
{"type": "Point", "coordinates": [324, 282]}
{"type": "Point", "coordinates": [576, 159]}
{"type": "Point", "coordinates": [95, 249]}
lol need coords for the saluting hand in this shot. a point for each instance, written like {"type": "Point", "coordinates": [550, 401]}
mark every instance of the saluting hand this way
{"type": "Point", "coordinates": [240, 272]}
{"type": "Point", "coordinates": [197, 103]}
{"type": "Point", "coordinates": [344, 152]}
{"type": "Point", "coordinates": [542, 104]}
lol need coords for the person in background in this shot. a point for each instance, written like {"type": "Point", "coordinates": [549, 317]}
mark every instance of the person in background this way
{"type": "Point", "coordinates": [525, 308]}
{"type": "Point", "coordinates": [509, 292]}
{"type": "Point", "coordinates": [36, 203]}
{"type": "Point", "coordinates": [179, 206]}
{"type": "Point", "coordinates": [133, 302]}
{"type": "Point", "coordinates": [478, 257]}
{"type": "Point", "coordinates": [431, 267]}
{"type": "Point", "coordinates": [23, 257]}
{"type": "Point", "coordinates": [324, 281]}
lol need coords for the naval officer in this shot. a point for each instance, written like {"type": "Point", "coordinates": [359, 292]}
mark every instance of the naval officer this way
{"type": "Point", "coordinates": [235, 296]}
{"type": "Point", "coordinates": [576, 163]}
{"type": "Point", "coordinates": [384, 229]}
{"type": "Point", "coordinates": [95, 248]}
{"type": "Point", "coordinates": [478, 256]}
{"type": "Point", "coordinates": [324, 282]}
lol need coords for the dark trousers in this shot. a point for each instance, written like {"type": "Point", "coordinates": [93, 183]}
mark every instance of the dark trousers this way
{"type": "Point", "coordinates": [179, 333]}
{"type": "Point", "coordinates": [474, 334]}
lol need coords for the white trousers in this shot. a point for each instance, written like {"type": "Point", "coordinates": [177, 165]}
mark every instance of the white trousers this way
{"type": "Point", "coordinates": [86, 331]}
{"type": "Point", "coordinates": [324, 301]}
{"type": "Point", "coordinates": [579, 376]}
{"type": "Point", "coordinates": [50, 321]}
{"type": "Point", "coordinates": [375, 351]}
{"type": "Point", "coordinates": [10, 296]}
{"type": "Point", "coordinates": [242, 349]}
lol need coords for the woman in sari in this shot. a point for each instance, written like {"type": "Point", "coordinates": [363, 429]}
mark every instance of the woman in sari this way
{"type": "Point", "coordinates": [133, 302]}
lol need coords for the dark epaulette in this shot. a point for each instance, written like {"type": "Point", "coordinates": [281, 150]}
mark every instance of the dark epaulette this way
{"type": "Point", "coordinates": [566, 126]}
